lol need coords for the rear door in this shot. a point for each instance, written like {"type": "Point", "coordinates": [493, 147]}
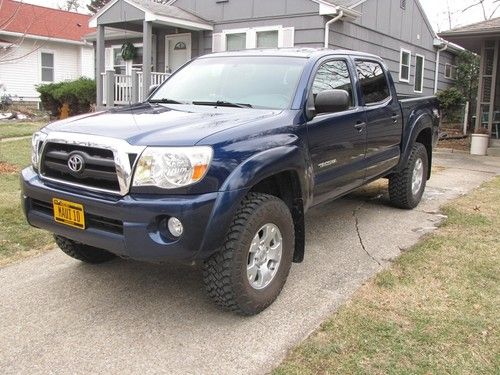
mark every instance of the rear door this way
{"type": "Point", "coordinates": [337, 141]}
{"type": "Point", "coordinates": [383, 117]}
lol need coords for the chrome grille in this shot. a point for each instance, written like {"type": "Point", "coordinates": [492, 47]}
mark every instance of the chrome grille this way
{"type": "Point", "coordinates": [107, 162]}
{"type": "Point", "coordinates": [99, 169]}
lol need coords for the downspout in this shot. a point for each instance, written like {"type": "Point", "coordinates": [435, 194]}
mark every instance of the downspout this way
{"type": "Point", "coordinates": [327, 27]}
{"type": "Point", "coordinates": [438, 56]}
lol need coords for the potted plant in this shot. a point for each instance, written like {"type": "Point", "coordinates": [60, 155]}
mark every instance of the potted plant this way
{"type": "Point", "coordinates": [480, 141]}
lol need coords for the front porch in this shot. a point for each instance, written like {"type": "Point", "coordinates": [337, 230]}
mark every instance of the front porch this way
{"type": "Point", "coordinates": [165, 37]}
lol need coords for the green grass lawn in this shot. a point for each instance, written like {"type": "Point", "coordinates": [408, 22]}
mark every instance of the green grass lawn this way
{"type": "Point", "coordinates": [18, 129]}
{"type": "Point", "coordinates": [435, 311]}
{"type": "Point", "coordinates": [17, 238]}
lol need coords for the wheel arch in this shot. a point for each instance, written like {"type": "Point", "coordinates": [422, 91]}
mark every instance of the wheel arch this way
{"type": "Point", "coordinates": [272, 172]}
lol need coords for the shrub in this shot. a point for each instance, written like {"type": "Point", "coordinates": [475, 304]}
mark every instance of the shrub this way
{"type": "Point", "coordinates": [80, 94]}
{"type": "Point", "coordinates": [451, 102]}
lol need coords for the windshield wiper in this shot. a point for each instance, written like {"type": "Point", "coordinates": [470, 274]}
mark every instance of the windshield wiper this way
{"type": "Point", "coordinates": [222, 103]}
{"type": "Point", "coordinates": [165, 101]}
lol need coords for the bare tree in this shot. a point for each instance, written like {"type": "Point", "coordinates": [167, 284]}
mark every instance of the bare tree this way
{"type": "Point", "coordinates": [9, 53]}
{"type": "Point", "coordinates": [70, 5]}
{"type": "Point", "coordinates": [489, 8]}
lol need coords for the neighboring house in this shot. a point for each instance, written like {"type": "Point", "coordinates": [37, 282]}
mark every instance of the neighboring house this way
{"type": "Point", "coordinates": [483, 38]}
{"type": "Point", "coordinates": [170, 35]}
{"type": "Point", "coordinates": [41, 45]}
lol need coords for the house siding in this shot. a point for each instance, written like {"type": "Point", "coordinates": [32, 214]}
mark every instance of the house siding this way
{"type": "Point", "coordinates": [22, 75]}
{"type": "Point", "coordinates": [383, 29]}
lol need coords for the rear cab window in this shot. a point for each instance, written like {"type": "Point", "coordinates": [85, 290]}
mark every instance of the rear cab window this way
{"type": "Point", "coordinates": [333, 75]}
{"type": "Point", "coordinates": [373, 82]}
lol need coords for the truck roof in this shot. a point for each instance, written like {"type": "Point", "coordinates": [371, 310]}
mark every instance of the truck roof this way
{"type": "Point", "coordinates": [292, 52]}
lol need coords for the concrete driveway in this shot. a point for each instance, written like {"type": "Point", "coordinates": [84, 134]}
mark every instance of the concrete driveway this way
{"type": "Point", "coordinates": [60, 316]}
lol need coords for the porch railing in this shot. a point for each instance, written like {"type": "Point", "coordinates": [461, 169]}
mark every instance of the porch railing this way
{"type": "Point", "coordinates": [126, 89]}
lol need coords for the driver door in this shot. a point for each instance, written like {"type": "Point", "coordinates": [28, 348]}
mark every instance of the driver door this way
{"type": "Point", "coordinates": [337, 141]}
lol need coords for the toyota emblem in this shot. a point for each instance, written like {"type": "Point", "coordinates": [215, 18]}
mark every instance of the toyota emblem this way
{"type": "Point", "coordinates": [76, 163]}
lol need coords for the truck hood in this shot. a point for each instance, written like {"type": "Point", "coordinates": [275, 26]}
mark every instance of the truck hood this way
{"type": "Point", "coordinates": [161, 125]}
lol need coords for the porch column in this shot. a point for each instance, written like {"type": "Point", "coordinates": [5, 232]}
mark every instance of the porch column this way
{"type": "Point", "coordinates": [147, 49]}
{"type": "Point", "coordinates": [99, 66]}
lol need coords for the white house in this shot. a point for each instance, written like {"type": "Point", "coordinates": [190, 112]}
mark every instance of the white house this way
{"type": "Point", "coordinates": [41, 45]}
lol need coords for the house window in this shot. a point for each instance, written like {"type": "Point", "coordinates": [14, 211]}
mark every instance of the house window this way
{"type": "Point", "coordinates": [47, 67]}
{"type": "Point", "coordinates": [373, 82]}
{"type": "Point", "coordinates": [402, 4]}
{"type": "Point", "coordinates": [404, 66]}
{"type": "Point", "coordinates": [236, 41]}
{"type": "Point", "coordinates": [268, 39]}
{"type": "Point", "coordinates": [419, 73]}
{"type": "Point", "coordinates": [258, 37]}
{"type": "Point", "coordinates": [120, 65]}
{"type": "Point", "coordinates": [450, 71]}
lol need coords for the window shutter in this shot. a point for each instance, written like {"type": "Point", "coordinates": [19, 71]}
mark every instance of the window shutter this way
{"type": "Point", "coordinates": [218, 42]}
{"type": "Point", "coordinates": [287, 37]}
{"type": "Point", "coordinates": [109, 59]}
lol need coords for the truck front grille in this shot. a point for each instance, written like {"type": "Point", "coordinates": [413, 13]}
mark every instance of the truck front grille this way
{"type": "Point", "coordinates": [98, 169]}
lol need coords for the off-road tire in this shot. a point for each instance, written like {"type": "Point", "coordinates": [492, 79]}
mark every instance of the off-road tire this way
{"type": "Point", "coordinates": [400, 184]}
{"type": "Point", "coordinates": [84, 253]}
{"type": "Point", "coordinates": [225, 272]}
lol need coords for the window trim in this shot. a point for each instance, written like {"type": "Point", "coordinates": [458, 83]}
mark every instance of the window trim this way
{"type": "Point", "coordinates": [401, 79]}
{"type": "Point", "coordinates": [251, 35]}
{"type": "Point", "coordinates": [385, 71]}
{"type": "Point", "coordinates": [326, 60]}
{"type": "Point", "coordinates": [422, 75]}
{"type": "Point", "coordinates": [51, 52]}
{"type": "Point", "coordinates": [453, 67]}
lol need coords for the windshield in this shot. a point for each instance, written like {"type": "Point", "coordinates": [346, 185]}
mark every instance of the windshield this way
{"type": "Point", "coordinates": [257, 82]}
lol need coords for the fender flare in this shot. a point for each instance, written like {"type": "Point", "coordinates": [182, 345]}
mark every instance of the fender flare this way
{"type": "Point", "coordinates": [249, 173]}
{"type": "Point", "coordinates": [422, 122]}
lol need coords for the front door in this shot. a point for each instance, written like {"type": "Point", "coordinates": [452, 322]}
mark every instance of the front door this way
{"type": "Point", "coordinates": [337, 141]}
{"type": "Point", "coordinates": [177, 51]}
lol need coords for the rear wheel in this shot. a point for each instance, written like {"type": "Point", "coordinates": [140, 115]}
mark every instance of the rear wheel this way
{"type": "Point", "coordinates": [247, 274]}
{"type": "Point", "coordinates": [407, 187]}
{"type": "Point", "coordinates": [84, 253]}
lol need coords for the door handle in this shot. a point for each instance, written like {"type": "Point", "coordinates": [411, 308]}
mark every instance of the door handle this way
{"type": "Point", "coordinates": [360, 126]}
{"type": "Point", "coordinates": [394, 118]}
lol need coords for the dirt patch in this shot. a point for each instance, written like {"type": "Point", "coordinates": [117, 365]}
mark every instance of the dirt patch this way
{"type": "Point", "coordinates": [460, 144]}
{"type": "Point", "coordinates": [6, 168]}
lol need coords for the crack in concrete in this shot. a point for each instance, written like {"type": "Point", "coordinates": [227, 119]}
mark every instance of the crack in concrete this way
{"type": "Point", "coordinates": [356, 220]}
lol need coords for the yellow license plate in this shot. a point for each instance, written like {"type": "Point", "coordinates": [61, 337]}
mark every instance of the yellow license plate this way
{"type": "Point", "coordinates": [69, 213]}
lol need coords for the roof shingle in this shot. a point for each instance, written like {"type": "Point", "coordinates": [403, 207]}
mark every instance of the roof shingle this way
{"type": "Point", "coordinates": [36, 20]}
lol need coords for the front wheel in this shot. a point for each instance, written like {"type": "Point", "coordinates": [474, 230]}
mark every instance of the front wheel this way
{"type": "Point", "coordinates": [407, 187]}
{"type": "Point", "coordinates": [247, 274]}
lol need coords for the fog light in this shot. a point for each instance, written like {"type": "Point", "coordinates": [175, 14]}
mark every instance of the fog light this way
{"type": "Point", "coordinates": [175, 227]}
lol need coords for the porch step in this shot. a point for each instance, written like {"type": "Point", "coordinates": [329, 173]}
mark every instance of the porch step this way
{"type": "Point", "coordinates": [494, 142]}
{"type": "Point", "coordinates": [493, 151]}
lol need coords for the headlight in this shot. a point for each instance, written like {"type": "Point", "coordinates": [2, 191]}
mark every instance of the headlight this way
{"type": "Point", "coordinates": [172, 167]}
{"type": "Point", "coordinates": [36, 145]}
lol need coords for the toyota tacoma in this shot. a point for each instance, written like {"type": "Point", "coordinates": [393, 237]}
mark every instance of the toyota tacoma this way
{"type": "Point", "coordinates": [220, 164]}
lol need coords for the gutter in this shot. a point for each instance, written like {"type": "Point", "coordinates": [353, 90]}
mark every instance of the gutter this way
{"type": "Point", "coordinates": [438, 56]}
{"type": "Point", "coordinates": [327, 27]}
{"type": "Point", "coordinates": [45, 38]}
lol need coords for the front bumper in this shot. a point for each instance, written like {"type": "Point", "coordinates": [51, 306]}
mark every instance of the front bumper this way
{"type": "Point", "coordinates": [127, 226]}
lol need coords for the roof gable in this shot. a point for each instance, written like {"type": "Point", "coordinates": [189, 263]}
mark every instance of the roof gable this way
{"type": "Point", "coordinates": [18, 17]}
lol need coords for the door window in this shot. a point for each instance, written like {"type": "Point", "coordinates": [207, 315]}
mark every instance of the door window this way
{"type": "Point", "coordinates": [333, 75]}
{"type": "Point", "coordinates": [373, 82]}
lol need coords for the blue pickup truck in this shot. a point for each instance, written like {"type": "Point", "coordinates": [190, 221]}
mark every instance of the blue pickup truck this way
{"type": "Point", "coordinates": [220, 164]}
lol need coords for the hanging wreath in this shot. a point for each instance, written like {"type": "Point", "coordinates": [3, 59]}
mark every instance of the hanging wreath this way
{"type": "Point", "coordinates": [128, 51]}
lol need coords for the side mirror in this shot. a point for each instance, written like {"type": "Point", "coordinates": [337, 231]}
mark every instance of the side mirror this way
{"type": "Point", "coordinates": [331, 101]}
{"type": "Point", "coordinates": [152, 89]}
